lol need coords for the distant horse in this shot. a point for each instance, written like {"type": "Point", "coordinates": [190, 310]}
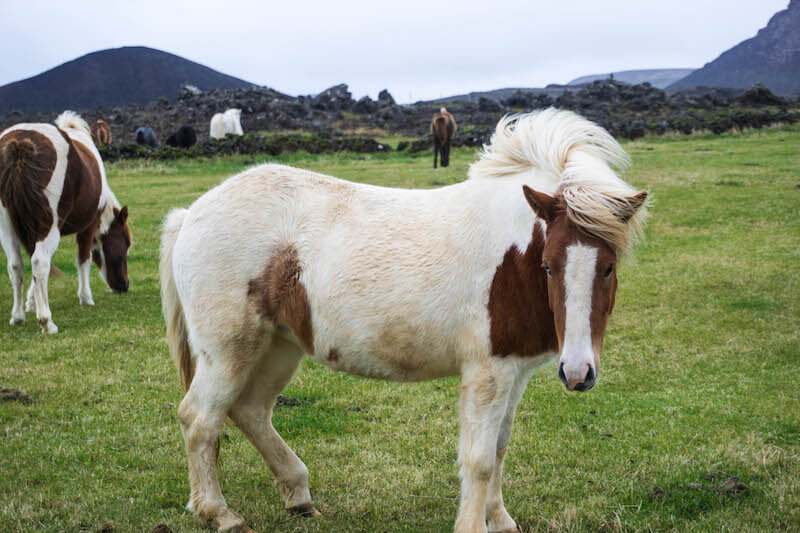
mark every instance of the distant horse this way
{"type": "Point", "coordinates": [52, 183]}
{"type": "Point", "coordinates": [185, 137]}
{"type": "Point", "coordinates": [488, 278]}
{"type": "Point", "coordinates": [443, 127]}
{"type": "Point", "coordinates": [146, 136]}
{"type": "Point", "coordinates": [224, 123]}
{"type": "Point", "coordinates": [101, 133]}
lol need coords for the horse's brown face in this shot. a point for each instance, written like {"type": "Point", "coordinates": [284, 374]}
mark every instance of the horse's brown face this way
{"type": "Point", "coordinates": [110, 252]}
{"type": "Point", "coordinates": [581, 285]}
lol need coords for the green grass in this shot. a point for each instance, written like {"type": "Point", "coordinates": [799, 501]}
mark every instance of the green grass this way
{"type": "Point", "coordinates": [698, 382]}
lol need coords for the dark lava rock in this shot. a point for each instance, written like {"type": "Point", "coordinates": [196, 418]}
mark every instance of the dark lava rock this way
{"type": "Point", "coordinates": [335, 98]}
{"type": "Point", "coordinates": [365, 105]}
{"type": "Point", "coordinates": [385, 99]}
{"type": "Point", "coordinates": [488, 105]}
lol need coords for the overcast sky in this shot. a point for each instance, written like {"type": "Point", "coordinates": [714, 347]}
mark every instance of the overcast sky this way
{"type": "Point", "coordinates": [418, 49]}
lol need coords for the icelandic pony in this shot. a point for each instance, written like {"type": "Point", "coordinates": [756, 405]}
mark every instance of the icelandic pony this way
{"type": "Point", "coordinates": [185, 137]}
{"type": "Point", "coordinates": [101, 133]}
{"type": "Point", "coordinates": [52, 183]}
{"type": "Point", "coordinates": [224, 123]}
{"type": "Point", "coordinates": [443, 127]}
{"type": "Point", "coordinates": [145, 135]}
{"type": "Point", "coordinates": [489, 278]}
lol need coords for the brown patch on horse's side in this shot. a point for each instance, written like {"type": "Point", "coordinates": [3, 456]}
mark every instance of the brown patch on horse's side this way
{"type": "Point", "coordinates": [333, 355]}
{"type": "Point", "coordinates": [521, 322]}
{"type": "Point", "coordinates": [80, 197]}
{"type": "Point", "coordinates": [279, 296]}
{"type": "Point", "coordinates": [27, 162]}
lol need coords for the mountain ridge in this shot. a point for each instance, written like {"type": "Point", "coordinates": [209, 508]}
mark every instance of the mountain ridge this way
{"type": "Point", "coordinates": [112, 77]}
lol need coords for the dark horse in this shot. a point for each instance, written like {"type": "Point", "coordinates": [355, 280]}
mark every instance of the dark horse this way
{"type": "Point", "coordinates": [52, 183]}
{"type": "Point", "coordinates": [443, 127]}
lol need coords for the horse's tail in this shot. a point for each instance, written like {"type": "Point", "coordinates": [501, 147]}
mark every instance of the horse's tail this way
{"type": "Point", "coordinates": [177, 336]}
{"type": "Point", "coordinates": [22, 183]}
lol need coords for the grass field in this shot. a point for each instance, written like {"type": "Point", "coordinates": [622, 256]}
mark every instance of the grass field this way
{"type": "Point", "coordinates": [699, 378]}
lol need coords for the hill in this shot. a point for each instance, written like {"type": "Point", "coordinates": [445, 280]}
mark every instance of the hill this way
{"type": "Point", "coordinates": [657, 77]}
{"type": "Point", "coordinates": [771, 58]}
{"type": "Point", "coordinates": [117, 76]}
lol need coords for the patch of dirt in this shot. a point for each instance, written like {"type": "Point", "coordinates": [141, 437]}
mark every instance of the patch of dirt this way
{"type": "Point", "coordinates": [8, 394]}
{"type": "Point", "coordinates": [287, 401]}
{"type": "Point", "coordinates": [733, 487]}
{"type": "Point", "coordinates": [657, 493]}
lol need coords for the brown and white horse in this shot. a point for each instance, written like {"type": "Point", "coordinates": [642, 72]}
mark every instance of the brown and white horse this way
{"type": "Point", "coordinates": [101, 133]}
{"type": "Point", "coordinates": [443, 127]}
{"type": "Point", "coordinates": [489, 278]}
{"type": "Point", "coordinates": [53, 183]}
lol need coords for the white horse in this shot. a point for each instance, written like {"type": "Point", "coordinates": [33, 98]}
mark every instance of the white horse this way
{"type": "Point", "coordinates": [53, 183]}
{"type": "Point", "coordinates": [224, 123]}
{"type": "Point", "coordinates": [489, 279]}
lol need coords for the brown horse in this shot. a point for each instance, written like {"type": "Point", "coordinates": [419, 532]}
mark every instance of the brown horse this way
{"type": "Point", "coordinates": [52, 183]}
{"type": "Point", "coordinates": [443, 127]}
{"type": "Point", "coordinates": [101, 133]}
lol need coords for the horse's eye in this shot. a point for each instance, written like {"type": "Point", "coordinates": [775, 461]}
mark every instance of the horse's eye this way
{"type": "Point", "coordinates": [609, 271]}
{"type": "Point", "coordinates": [546, 269]}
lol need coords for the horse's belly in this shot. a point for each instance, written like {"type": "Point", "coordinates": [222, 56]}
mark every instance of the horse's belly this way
{"type": "Point", "coordinates": [394, 363]}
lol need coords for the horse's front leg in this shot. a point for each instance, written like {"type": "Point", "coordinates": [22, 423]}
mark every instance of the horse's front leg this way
{"type": "Point", "coordinates": [485, 390]}
{"type": "Point", "coordinates": [497, 518]}
{"type": "Point", "coordinates": [40, 265]}
{"type": "Point", "coordinates": [84, 265]}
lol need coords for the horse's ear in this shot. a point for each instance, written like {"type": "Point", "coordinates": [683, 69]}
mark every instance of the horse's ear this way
{"type": "Point", "coordinates": [541, 203]}
{"type": "Point", "coordinates": [627, 207]}
{"type": "Point", "coordinates": [122, 216]}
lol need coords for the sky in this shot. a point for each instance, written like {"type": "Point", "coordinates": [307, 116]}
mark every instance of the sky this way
{"type": "Point", "coordinates": [417, 49]}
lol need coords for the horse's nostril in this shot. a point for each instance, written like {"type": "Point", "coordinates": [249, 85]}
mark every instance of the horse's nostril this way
{"type": "Point", "coordinates": [590, 377]}
{"type": "Point", "coordinates": [561, 375]}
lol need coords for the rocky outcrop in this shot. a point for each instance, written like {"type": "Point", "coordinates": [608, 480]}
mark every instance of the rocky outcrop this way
{"type": "Point", "coordinates": [771, 58]}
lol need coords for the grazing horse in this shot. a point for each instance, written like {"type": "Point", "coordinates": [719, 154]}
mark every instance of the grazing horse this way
{"type": "Point", "coordinates": [224, 123]}
{"type": "Point", "coordinates": [52, 183]}
{"type": "Point", "coordinates": [443, 127]}
{"type": "Point", "coordinates": [185, 137]}
{"type": "Point", "coordinates": [145, 135]}
{"type": "Point", "coordinates": [101, 133]}
{"type": "Point", "coordinates": [489, 278]}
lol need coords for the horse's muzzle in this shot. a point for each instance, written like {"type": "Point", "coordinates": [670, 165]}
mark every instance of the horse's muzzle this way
{"type": "Point", "coordinates": [122, 286]}
{"type": "Point", "coordinates": [577, 384]}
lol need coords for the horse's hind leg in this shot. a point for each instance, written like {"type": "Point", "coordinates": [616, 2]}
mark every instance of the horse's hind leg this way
{"type": "Point", "coordinates": [252, 414]}
{"type": "Point", "coordinates": [40, 265]}
{"type": "Point", "coordinates": [16, 270]}
{"type": "Point", "coordinates": [218, 380]}
{"type": "Point", "coordinates": [436, 148]}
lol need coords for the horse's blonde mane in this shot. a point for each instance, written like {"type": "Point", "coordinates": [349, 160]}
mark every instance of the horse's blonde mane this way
{"type": "Point", "coordinates": [582, 156]}
{"type": "Point", "coordinates": [70, 120]}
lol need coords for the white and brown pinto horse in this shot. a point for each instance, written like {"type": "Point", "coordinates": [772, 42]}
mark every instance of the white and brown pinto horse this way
{"type": "Point", "coordinates": [53, 183]}
{"type": "Point", "coordinates": [488, 278]}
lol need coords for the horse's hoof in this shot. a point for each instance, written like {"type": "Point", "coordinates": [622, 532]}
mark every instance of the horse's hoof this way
{"type": "Point", "coordinates": [86, 301]}
{"type": "Point", "coordinates": [15, 320]}
{"type": "Point", "coordinates": [306, 510]}
{"type": "Point", "coordinates": [50, 328]}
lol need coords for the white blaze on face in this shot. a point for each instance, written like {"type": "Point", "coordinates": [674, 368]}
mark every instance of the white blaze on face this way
{"type": "Point", "coordinates": [579, 276]}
